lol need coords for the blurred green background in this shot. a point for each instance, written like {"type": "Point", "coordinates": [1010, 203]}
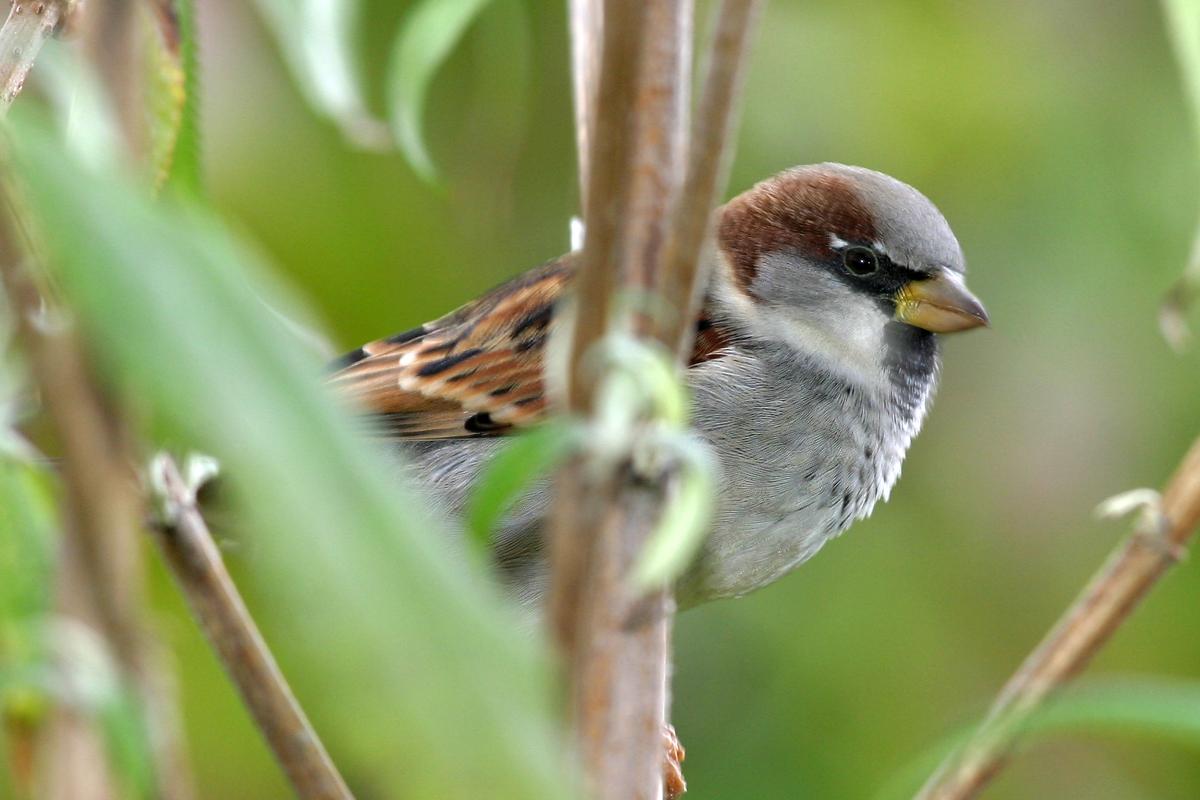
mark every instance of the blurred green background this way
{"type": "Point", "coordinates": [1053, 135]}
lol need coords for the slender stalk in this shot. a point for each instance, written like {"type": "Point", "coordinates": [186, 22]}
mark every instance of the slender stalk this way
{"type": "Point", "coordinates": [631, 175]}
{"type": "Point", "coordinates": [616, 640]}
{"type": "Point", "coordinates": [195, 562]}
{"type": "Point", "coordinates": [99, 573]}
{"type": "Point", "coordinates": [30, 23]}
{"type": "Point", "coordinates": [708, 165]}
{"type": "Point", "coordinates": [586, 21]}
{"type": "Point", "coordinates": [1105, 603]}
{"type": "Point", "coordinates": [660, 135]}
{"type": "Point", "coordinates": [617, 674]}
{"type": "Point", "coordinates": [606, 192]}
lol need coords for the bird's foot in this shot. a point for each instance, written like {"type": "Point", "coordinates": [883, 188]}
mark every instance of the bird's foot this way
{"type": "Point", "coordinates": [673, 783]}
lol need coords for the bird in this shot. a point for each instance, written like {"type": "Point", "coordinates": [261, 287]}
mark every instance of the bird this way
{"type": "Point", "coordinates": [815, 361]}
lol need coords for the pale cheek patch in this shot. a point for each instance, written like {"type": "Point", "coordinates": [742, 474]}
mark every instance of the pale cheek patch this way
{"type": "Point", "coordinates": [849, 341]}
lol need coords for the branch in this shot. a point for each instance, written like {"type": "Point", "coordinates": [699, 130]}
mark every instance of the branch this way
{"type": "Point", "coordinates": [587, 32]}
{"type": "Point", "coordinates": [617, 671]}
{"type": "Point", "coordinates": [194, 560]}
{"type": "Point", "coordinates": [708, 164]}
{"type": "Point", "coordinates": [30, 23]}
{"type": "Point", "coordinates": [614, 636]}
{"type": "Point", "coordinates": [1107, 601]}
{"type": "Point", "coordinates": [98, 580]}
{"type": "Point", "coordinates": [606, 192]}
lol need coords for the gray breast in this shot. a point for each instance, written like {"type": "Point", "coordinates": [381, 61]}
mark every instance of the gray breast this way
{"type": "Point", "coordinates": [805, 451]}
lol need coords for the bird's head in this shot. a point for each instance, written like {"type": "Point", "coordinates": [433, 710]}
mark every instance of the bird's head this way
{"type": "Point", "coordinates": [844, 261]}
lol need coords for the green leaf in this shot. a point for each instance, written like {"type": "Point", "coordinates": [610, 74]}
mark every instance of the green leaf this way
{"type": "Point", "coordinates": [174, 97]}
{"type": "Point", "coordinates": [27, 523]}
{"type": "Point", "coordinates": [1148, 708]}
{"type": "Point", "coordinates": [319, 41]}
{"type": "Point", "coordinates": [519, 463]}
{"type": "Point", "coordinates": [1183, 26]}
{"type": "Point", "coordinates": [424, 681]}
{"type": "Point", "coordinates": [425, 40]}
{"type": "Point", "coordinates": [686, 516]}
{"type": "Point", "coordinates": [70, 666]}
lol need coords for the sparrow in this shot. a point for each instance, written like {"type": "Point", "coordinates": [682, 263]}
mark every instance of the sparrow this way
{"type": "Point", "coordinates": [814, 364]}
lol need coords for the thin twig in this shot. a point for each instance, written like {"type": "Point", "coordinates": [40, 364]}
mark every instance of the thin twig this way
{"type": "Point", "coordinates": [606, 208]}
{"type": "Point", "coordinates": [708, 165]}
{"type": "Point", "coordinates": [194, 560]}
{"type": "Point", "coordinates": [1130, 572]}
{"type": "Point", "coordinates": [99, 575]}
{"type": "Point", "coordinates": [30, 23]}
{"type": "Point", "coordinates": [659, 158]}
{"type": "Point", "coordinates": [632, 173]}
{"type": "Point", "coordinates": [587, 32]}
{"type": "Point", "coordinates": [616, 640]}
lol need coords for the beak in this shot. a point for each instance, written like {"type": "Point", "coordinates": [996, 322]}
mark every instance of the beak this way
{"type": "Point", "coordinates": [941, 304]}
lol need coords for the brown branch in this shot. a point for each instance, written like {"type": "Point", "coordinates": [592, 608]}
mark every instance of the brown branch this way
{"type": "Point", "coordinates": [615, 639]}
{"type": "Point", "coordinates": [586, 20]}
{"type": "Point", "coordinates": [194, 560]}
{"type": "Point", "coordinates": [99, 572]}
{"type": "Point", "coordinates": [606, 192]}
{"type": "Point", "coordinates": [617, 669]}
{"type": "Point", "coordinates": [659, 145]}
{"type": "Point", "coordinates": [1112, 594]}
{"type": "Point", "coordinates": [30, 23]}
{"type": "Point", "coordinates": [708, 163]}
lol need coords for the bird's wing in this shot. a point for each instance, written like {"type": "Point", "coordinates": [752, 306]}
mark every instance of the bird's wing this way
{"type": "Point", "coordinates": [477, 371]}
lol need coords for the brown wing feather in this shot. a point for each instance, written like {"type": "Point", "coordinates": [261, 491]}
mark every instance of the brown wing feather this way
{"type": "Point", "coordinates": [477, 371]}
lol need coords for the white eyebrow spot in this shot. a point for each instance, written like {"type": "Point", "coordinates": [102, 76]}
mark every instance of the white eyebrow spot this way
{"type": "Point", "coordinates": [837, 242]}
{"type": "Point", "coordinates": [879, 248]}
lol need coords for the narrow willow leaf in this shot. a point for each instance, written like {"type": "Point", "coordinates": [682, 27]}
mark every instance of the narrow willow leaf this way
{"type": "Point", "coordinates": [1157, 709]}
{"type": "Point", "coordinates": [410, 645]}
{"type": "Point", "coordinates": [26, 541]}
{"type": "Point", "coordinates": [174, 97]}
{"type": "Point", "coordinates": [425, 40]}
{"type": "Point", "coordinates": [81, 106]}
{"type": "Point", "coordinates": [685, 517]}
{"type": "Point", "coordinates": [522, 461]}
{"type": "Point", "coordinates": [1183, 27]}
{"type": "Point", "coordinates": [319, 41]}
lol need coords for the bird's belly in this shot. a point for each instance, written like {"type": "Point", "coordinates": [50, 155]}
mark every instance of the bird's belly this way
{"type": "Point", "coordinates": [748, 550]}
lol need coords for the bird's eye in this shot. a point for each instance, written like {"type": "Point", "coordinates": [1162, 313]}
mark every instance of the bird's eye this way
{"type": "Point", "coordinates": [860, 260]}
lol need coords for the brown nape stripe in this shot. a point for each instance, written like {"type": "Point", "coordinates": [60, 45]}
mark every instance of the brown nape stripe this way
{"type": "Point", "coordinates": [793, 212]}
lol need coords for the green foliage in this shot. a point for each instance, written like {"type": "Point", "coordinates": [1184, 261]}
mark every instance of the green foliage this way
{"type": "Point", "coordinates": [519, 463]}
{"type": "Point", "coordinates": [425, 40]}
{"type": "Point", "coordinates": [685, 518]}
{"type": "Point", "coordinates": [26, 542]}
{"type": "Point", "coordinates": [167, 297]}
{"type": "Point", "coordinates": [46, 661]}
{"type": "Point", "coordinates": [319, 40]}
{"type": "Point", "coordinates": [174, 101]}
{"type": "Point", "coordinates": [1183, 26]}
